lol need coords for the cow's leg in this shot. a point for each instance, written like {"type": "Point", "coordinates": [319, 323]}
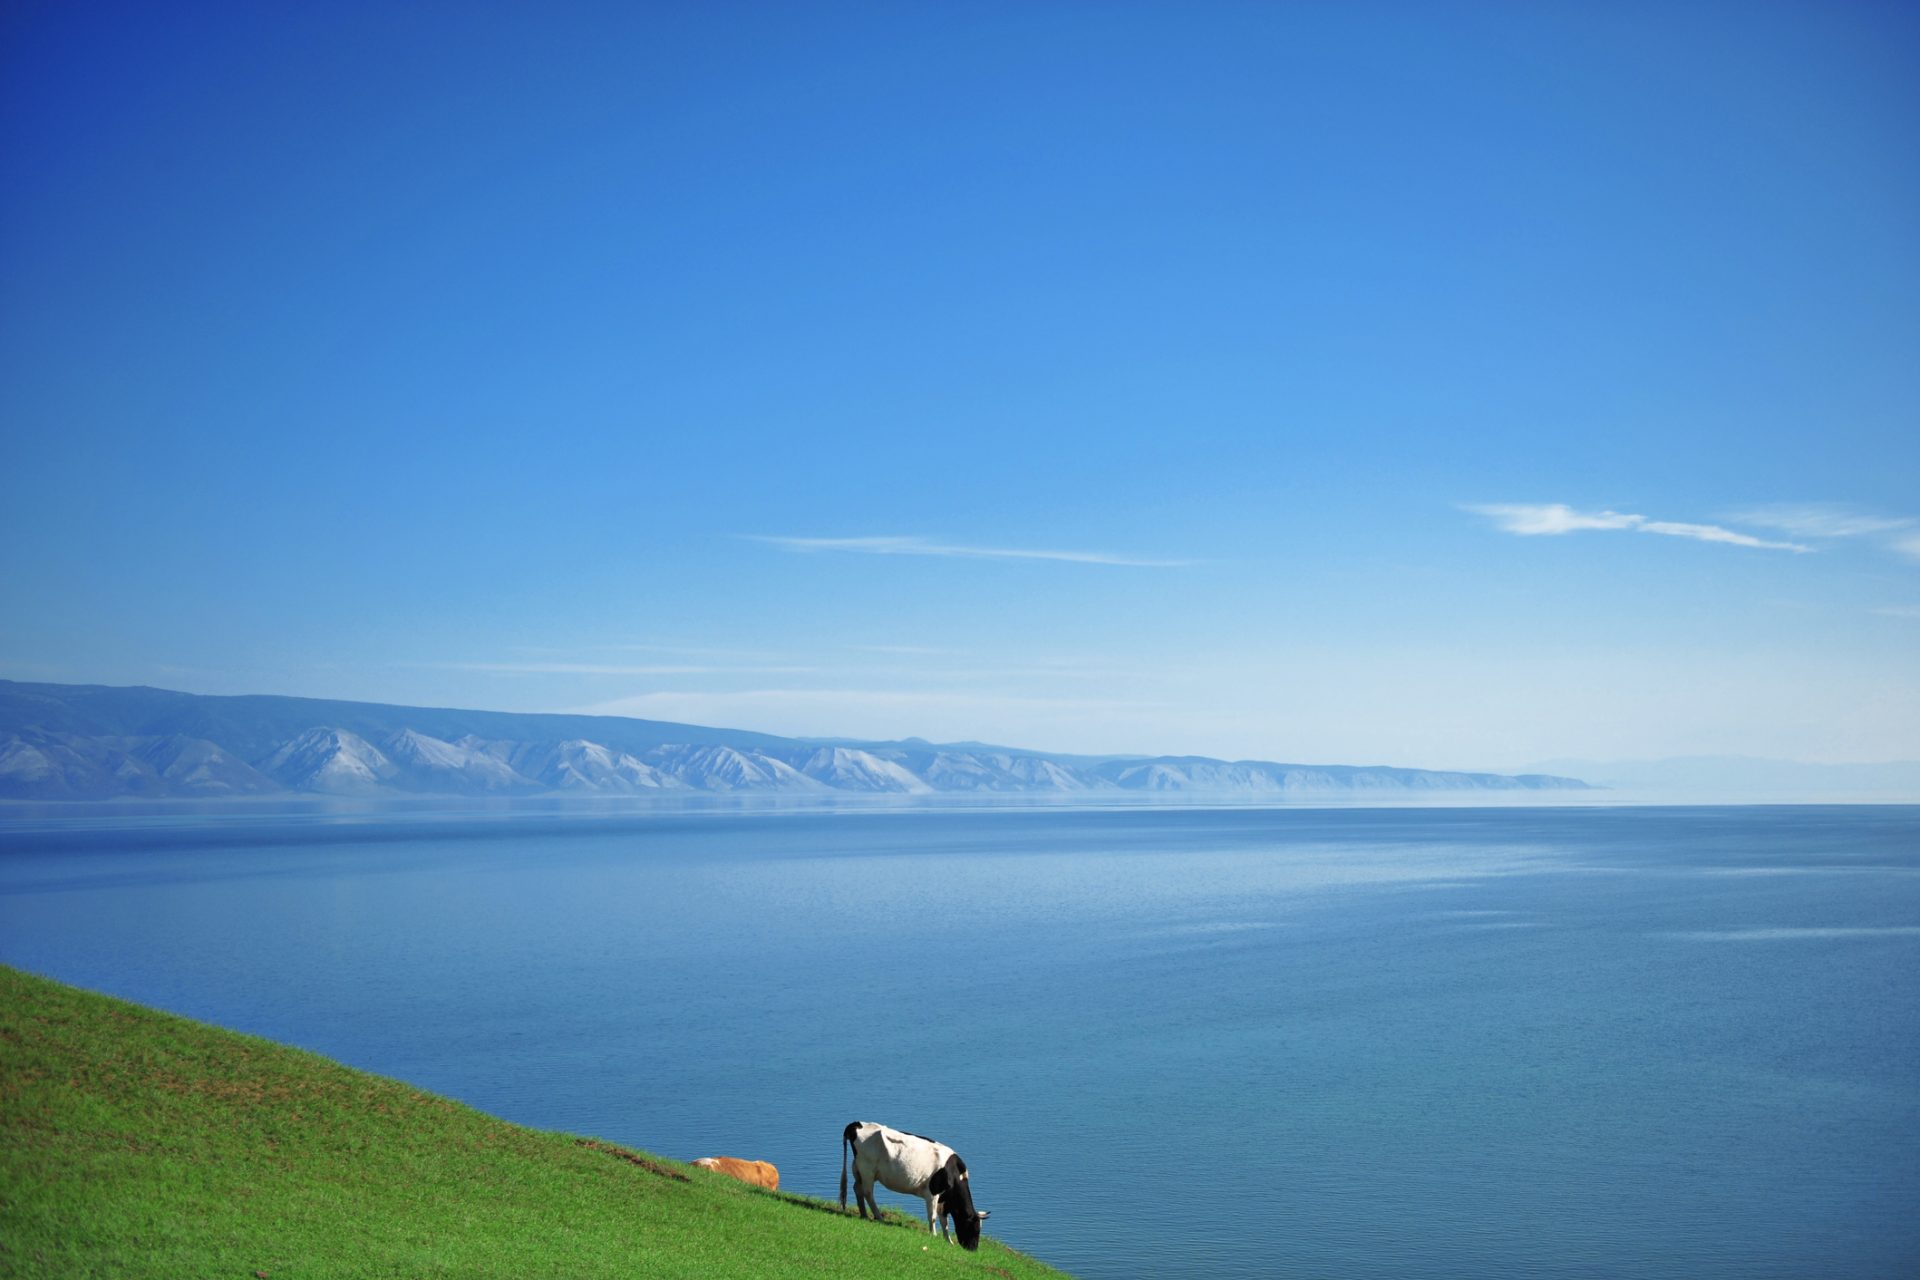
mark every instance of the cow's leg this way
{"type": "Point", "coordinates": [933, 1215]}
{"type": "Point", "coordinates": [863, 1196]}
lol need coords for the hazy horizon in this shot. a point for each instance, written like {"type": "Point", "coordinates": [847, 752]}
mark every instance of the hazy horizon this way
{"type": "Point", "coordinates": [1456, 386]}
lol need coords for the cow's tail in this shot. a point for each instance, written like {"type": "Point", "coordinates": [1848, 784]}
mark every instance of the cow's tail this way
{"type": "Point", "coordinates": [846, 1150]}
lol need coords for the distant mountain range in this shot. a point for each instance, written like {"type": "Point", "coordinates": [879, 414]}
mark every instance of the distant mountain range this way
{"type": "Point", "coordinates": [93, 742]}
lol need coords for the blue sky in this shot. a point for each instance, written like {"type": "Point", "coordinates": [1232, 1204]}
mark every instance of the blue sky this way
{"type": "Point", "coordinates": [1449, 385]}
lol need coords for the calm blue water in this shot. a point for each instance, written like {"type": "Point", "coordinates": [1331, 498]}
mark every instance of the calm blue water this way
{"type": "Point", "coordinates": [1187, 1042]}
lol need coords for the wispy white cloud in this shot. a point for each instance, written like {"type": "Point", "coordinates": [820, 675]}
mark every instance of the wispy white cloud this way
{"type": "Point", "coordinates": [919, 546]}
{"type": "Point", "coordinates": [839, 698]}
{"type": "Point", "coordinates": [702, 655]}
{"type": "Point", "coordinates": [695, 652]}
{"type": "Point", "coordinates": [1549, 518]}
{"type": "Point", "coordinates": [911, 667]}
{"type": "Point", "coordinates": [1832, 521]}
{"type": "Point", "coordinates": [906, 650]}
{"type": "Point", "coordinates": [1714, 533]}
{"type": "Point", "coordinates": [610, 669]}
{"type": "Point", "coordinates": [1822, 520]}
{"type": "Point", "coordinates": [941, 715]}
{"type": "Point", "coordinates": [1899, 611]}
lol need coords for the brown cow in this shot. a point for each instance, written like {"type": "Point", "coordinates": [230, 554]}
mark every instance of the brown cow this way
{"type": "Point", "coordinates": [755, 1173]}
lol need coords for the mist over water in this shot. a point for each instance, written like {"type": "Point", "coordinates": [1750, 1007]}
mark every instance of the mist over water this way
{"type": "Point", "coordinates": [1183, 1041]}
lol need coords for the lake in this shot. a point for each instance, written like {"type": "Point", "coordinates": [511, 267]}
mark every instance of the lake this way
{"type": "Point", "coordinates": [1185, 1041]}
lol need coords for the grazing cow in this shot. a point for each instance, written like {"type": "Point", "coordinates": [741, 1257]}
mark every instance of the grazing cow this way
{"type": "Point", "coordinates": [913, 1166]}
{"type": "Point", "coordinates": [755, 1173]}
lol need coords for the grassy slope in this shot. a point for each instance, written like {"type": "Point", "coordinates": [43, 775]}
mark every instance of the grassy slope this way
{"type": "Point", "coordinates": [135, 1143]}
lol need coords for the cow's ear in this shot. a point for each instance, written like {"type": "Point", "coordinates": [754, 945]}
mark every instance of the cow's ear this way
{"type": "Point", "coordinates": [937, 1184]}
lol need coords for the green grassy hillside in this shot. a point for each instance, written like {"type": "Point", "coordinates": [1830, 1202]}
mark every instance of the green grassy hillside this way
{"type": "Point", "coordinates": [134, 1143]}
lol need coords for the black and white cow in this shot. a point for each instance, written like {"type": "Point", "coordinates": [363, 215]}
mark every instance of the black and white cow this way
{"type": "Point", "coordinates": [913, 1166]}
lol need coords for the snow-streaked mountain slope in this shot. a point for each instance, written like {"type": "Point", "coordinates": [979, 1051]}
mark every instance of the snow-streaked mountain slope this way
{"type": "Point", "coordinates": [979, 770]}
{"type": "Point", "coordinates": [194, 766]}
{"type": "Point", "coordinates": [36, 765]}
{"type": "Point", "coordinates": [581, 766]}
{"type": "Point", "coordinates": [850, 769]}
{"type": "Point", "coordinates": [430, 764]}
{"type": "Point", "coordinates": [332, 761]}
{"type": "Point", "coordinates": [725, 769]}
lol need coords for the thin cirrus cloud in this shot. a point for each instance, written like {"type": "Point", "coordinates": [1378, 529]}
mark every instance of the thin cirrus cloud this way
{"type": "Point", "coordinates": [1822, 520]}
{"type": "Point", "coordinates": [919, 546]}
{"type": "Point", "coordinates": [940, 714]}
{"type": "Point", "coordinates": [1550, 518]}
{"type": "Point", "coordinates": [1898, 534]}
{"type": "Point", "coordinates": [613, 669]}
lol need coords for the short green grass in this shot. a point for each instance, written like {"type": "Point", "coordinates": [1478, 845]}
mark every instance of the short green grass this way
{"type": "Point", "coordinates": [134, 1143]}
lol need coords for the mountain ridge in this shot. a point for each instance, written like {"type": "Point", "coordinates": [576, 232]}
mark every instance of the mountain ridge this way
{"type": "Point", "coordinates": [95, 742]}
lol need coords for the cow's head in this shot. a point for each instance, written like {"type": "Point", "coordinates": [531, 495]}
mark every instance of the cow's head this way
{"type": "Point", "coordinates": [949, 1182]}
